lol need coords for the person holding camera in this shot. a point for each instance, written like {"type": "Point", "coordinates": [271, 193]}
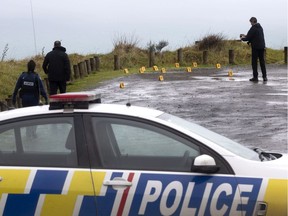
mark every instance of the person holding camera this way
{"type": "Point", "coordinates": [255, 37]}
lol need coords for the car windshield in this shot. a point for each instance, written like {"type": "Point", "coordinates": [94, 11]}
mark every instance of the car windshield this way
{"type": "Point", "coordinates": [220, 140]}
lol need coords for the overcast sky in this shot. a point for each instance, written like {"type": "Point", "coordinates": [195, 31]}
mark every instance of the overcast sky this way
{"type": "Point", "coordinates": [91, 26]}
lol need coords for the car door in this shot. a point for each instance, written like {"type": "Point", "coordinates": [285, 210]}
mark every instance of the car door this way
{"type": "Point", "coordinates": [44, 168]}
{"type": "Point", "coordinates": [144, 168]}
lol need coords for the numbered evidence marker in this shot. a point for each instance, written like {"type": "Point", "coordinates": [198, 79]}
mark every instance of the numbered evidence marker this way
{"type": "Point", "coordinates": [177, 65]}
{"type": "Point", "coordinates": [218, 66]}
{"type": "Point", "coordinates": [188, 69]}
{"type": "Point", "coordinates": [160, 78]}
{"type": "Point", "coordinates": [122, 85]}
{"type": "Point", "coordinates": [163, 70]}
{"type": "Point", "coordinates": [155, 68]}
{"type": "Point", "coordinates": [230, 73]}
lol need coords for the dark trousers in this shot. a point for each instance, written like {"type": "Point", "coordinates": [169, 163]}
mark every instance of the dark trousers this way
{"type": "Point", "coordinates": [258, 54]}
{"type": "Point", "coordinates": [31, 99]}
{"type": "Point", "coordinates": [55, 85]}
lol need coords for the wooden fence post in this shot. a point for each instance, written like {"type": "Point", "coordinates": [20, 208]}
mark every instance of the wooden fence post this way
{"type": "Point", "coordinates": [205, 57]}
{"type": "Point", "coordinates": [46, 83]}
{"type": "Point", "coordinates": [2, 106]}
{"type": "Point", "coordinates": [81, 69]}
{"type": "Point", "coordinates": [9, 101]}
{"type": "Point", "coordinates": [76, 71]}
{"type": "Point", "coordinates": [92, 64]}
{"type": "Point", "coordinates": [88, 66]}
{"type": "Point", "coordinates": [97, 63]}
{"type": "Point", "coordinates": [180, 56]}
{"type": "Point", "coordinates": [285, 55]}
{"type": "Point", "coordinates": [116, 62]}
{"type": "Point", "coordinates": [231, 57]}
{"type": "Point", "coordinates": [84, 68]}
{"type": "Point", "coordinates": [151, 58]}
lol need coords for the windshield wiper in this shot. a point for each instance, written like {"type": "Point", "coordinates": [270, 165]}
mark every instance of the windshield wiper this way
{"type": "Point", "coordinates": [264, 155]}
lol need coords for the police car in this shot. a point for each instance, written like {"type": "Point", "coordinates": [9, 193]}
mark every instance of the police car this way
{"type": "Point", "coordinates": [78, 156]}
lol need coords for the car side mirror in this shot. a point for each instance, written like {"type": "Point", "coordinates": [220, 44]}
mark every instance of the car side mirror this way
{"type": "Point", "coordinates": [204, 164]}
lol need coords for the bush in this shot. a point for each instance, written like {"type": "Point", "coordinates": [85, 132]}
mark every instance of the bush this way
{"type": "Point", "coordinates": [124, 44]}
{"type": "Point", "coordinates": [212, 41]}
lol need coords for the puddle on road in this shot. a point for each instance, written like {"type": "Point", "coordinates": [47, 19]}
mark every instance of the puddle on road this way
{"type": "Point", "coordinates": [278, 94]}
{"type": "Point", "coordinates": [277, 102]}
{"type": "Point", "coordinates": [214, 79]}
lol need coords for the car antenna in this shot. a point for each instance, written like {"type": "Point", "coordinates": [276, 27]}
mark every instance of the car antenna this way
{"type": "Point", "coordinates": [33, 25]}
{"type": "Point", "coordinates": [128, 104]}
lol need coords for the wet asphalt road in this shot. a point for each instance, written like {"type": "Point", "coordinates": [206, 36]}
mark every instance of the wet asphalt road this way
{"type": "Point", "coordinates": [254, 114]}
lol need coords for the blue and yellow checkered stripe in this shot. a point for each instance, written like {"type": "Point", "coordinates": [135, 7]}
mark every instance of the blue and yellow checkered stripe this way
{"type": "Point", "coordinates": [276, 196]}
{"type": "Point", "coordinates": [72, 192]}
{"type": "Point", "coordinates": [48, 192]}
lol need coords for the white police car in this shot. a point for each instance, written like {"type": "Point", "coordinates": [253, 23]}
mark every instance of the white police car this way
{"type": "Point", "coordinates": [80, 157]}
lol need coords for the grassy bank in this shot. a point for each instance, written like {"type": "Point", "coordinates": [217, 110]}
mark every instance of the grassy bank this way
{"type": "Point", "coordinates": [133, 57]}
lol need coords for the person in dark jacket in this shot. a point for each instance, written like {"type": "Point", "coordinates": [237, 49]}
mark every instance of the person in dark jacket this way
{"type": "Point", "coordinates": [30, 86]}
{"type": "Point", "coordinates": [57, 65]}
{"type": "Point", "coordinates": [255, 37]}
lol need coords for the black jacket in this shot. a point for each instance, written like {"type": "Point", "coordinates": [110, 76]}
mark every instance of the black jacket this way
{"type": "Point", "coordinates": [255, 36]}
{"type": "Point", "coordinates": [57, 65]}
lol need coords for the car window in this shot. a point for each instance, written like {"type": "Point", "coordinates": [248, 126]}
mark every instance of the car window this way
{"type": "Point", "coordinates": [38, 142]}
{"type": "Point", "coordinates": [8, 141]}
{"type": "Point", "coordinates": [130, 144]}
{"type": "Point", "coordinates": [220, 140]}
{"type": "Point", "coordinates": [145, 142]}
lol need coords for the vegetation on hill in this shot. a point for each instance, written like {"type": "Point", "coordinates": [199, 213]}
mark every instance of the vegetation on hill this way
{"type": "Point", "coordinates": [133, 57]}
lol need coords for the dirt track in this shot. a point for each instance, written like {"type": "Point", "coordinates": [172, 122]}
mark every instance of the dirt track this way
{"type": "Point", "coordinates": [254, 114]}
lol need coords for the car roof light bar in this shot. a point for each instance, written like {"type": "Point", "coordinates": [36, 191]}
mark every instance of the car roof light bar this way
{"type": "Point", "coordinates": [74, 100]}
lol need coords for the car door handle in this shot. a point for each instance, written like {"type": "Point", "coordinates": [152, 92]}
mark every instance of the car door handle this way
{"type": "Point", "coordinates": [117, 182]}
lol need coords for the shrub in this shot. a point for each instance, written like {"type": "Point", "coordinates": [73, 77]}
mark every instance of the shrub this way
{"type": "Point", "coordinates": [124, 44]}
{"type": "Point", "coordinates": [161, 45]}
{"type": "Point", "coordinates": [211, 41]}
{"type": "Point", "coordinates": [4, 53]}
